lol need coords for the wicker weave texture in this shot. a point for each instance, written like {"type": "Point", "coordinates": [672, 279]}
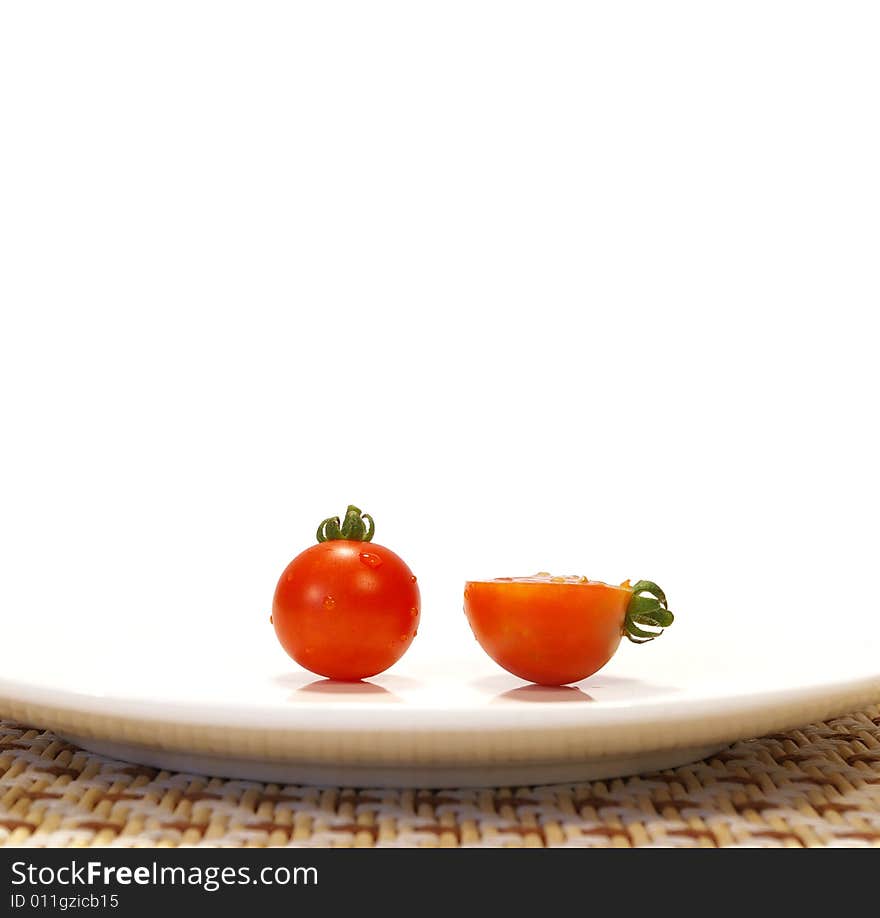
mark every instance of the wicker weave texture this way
{"type": "Point", "coordinates": [815, 787]}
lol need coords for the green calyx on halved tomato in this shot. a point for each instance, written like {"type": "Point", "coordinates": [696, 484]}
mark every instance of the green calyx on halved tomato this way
{"type": "Point", "coordinates": [346, 608]}
{"type": "Point", "coordinates": [646, 609]}
{"type": "Point", "coordinates": [559, 630]}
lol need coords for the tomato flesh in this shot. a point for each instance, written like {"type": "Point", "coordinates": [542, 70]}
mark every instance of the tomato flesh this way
{"type": "Point", "coordinates": [547, 630]}
{"type": "Point", "coordinates": [346, 610]}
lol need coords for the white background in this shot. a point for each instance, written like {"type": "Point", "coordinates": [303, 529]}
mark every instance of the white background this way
{"type": "Point", "coordinates": [587, 288]}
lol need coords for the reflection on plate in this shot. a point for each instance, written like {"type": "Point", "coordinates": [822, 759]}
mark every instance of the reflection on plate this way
{"type": "Point", "coordinates": [544, 693]}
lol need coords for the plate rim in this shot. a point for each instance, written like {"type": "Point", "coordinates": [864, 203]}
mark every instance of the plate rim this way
{"type": "Point", "coordinates": [689, 715]}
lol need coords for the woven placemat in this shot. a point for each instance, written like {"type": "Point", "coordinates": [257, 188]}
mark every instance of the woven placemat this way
{"type": "Point", "coordinates": [814, 787]}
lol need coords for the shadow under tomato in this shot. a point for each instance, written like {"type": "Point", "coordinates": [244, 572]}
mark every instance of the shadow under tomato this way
{"type": "Point", "coordinates": [544, 693]}
{"type": "Point", "coordinates": [346, 691]}
{"type": "Point", "coordinates": [598, 687]}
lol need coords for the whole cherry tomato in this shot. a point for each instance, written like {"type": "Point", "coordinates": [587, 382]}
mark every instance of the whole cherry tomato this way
{"type": "Point", "coordinates": [558, 630]}
{"type": "Point", "coordinates": [345, 608]}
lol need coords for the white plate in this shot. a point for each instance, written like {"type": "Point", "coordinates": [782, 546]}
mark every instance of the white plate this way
{"type": "Point", "coordinates": [445, 715]}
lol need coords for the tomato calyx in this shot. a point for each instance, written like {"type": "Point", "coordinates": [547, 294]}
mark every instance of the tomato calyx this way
{"type": "Point", "coordinates": [646, 609]}
{"type": "Point", "coordinates": [355, 527]}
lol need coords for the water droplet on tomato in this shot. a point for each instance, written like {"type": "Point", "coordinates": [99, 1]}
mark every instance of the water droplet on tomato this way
{"type": "Point", "coordinates": [413, 578]}
{"type": "Point", "coordinates": [329, 602]}
{"type": "Point", "coordinates": [404, 637]}
{"type": "Point", "coordinates": [289, 577]}
{"type": "Point", "coordinates": [370, 559]}
{"type": "Point", "coordinates": [413, 611]}
{"type": "Point", "coordinates": [270, 620]}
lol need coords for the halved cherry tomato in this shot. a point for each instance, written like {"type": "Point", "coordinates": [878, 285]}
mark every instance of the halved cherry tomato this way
{"type": "Point", "coordinates": [559, 630]}
{"type": "Point", "coordinates": [346, 608]}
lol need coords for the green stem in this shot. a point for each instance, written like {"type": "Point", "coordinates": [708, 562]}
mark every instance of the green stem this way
{"type": "Point", "coordinates": [647, 609]}
{"type": "Point", "coordinates": [355, 527]}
